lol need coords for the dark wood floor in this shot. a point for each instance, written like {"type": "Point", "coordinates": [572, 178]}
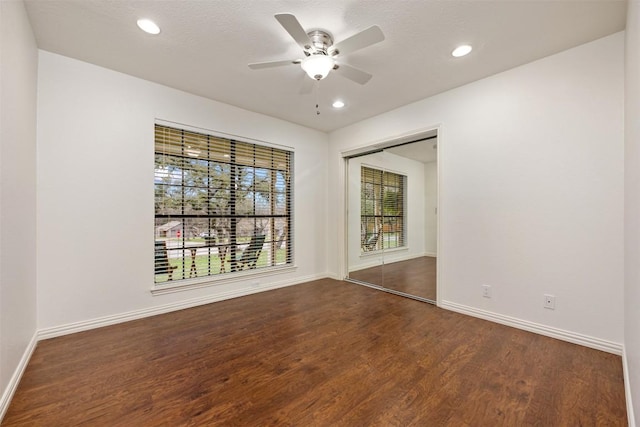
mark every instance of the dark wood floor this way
{"type": "Point", "coordinates": [416, 276]}
{"type": "Point", "coordinates": [325, 353]}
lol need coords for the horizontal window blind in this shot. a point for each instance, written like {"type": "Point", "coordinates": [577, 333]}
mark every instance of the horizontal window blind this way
{"type": "Point", "coordinates": [221, 206]}
{"type": "Point", "coordinates": [382, 209]}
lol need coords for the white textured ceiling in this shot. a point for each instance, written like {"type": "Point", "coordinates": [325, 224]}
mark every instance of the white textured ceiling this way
{"type": "Point", "coordinates": [205, 46]}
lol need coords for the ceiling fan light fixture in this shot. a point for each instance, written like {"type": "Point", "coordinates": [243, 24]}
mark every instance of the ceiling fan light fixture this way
{"type": "Point", "coordinates": [318, 66]}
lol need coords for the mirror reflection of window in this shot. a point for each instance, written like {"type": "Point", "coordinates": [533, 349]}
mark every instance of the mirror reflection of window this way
{"type": "Point", "coordinates": [382, 210]}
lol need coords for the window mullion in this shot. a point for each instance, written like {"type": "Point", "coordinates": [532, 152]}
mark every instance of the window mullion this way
{"type": "Point", "coordinates": [272, 209]}
{"type": "Point", "coordinates": [182, 205]}
{"type": "Point", "coordinates": [233, 183]}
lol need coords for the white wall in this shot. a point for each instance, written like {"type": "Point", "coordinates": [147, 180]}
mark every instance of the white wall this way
{"type": "Point", "coordinates": [430, 208]}
{"type": "Point", "coordinates": [18, 76]}
{"type": "Point", "coordinates": [632, 207]}
{"type": "Point", "coordinates": [95, 189]}
{"type": "Point", "coordinates": [531, 188]}
{"type": "Point", "coordinates": [414, 171]}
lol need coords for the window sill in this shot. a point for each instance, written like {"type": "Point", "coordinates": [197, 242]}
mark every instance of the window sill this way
{"type": "Point", "coordinates": [204, 282]}
{"type": "Point", "coordinates": [385, 251]}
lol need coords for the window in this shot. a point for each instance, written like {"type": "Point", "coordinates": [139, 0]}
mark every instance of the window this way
{"type": "Point", "coordinates": [221, 206]}
{"type": "Point", "coordinates": [382, 213]}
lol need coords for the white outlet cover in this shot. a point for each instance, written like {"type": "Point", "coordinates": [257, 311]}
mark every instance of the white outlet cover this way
{"type": "Point", "coordinates": [486, 291]}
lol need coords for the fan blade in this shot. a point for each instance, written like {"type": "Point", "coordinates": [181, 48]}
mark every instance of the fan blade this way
{"type": "Point", "coordinates": [295, 30]}
{"type": "Point", "coordinates": [371, 35]}
{"type": "Point", "coordinates": [270, 64]}
{"type": "Point", "coordinates": [354, 74]}
{"type": "Point", "coordinates": [307, 85]}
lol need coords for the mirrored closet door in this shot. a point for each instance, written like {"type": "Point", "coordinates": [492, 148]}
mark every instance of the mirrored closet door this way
{"type": "Point", "coordinates": [392, 219]}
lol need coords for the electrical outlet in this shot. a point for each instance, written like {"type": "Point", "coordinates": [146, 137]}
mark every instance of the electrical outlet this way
{"type": "Point", "coordinates": [549, 301]}
{"type": "Point", "coordinates": [486, 291]}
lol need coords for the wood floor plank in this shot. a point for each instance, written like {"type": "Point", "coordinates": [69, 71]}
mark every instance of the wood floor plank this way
{"type": "Point", "coordinates": [325, 353]}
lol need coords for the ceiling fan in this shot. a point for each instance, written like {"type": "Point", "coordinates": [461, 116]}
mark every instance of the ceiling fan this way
{"type": "Point", "coordinates": [320, 54]}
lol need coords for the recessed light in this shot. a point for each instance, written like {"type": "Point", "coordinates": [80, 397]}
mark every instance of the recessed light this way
{"type": "Point", "coordinates": [461, 50]}
{"type": "Point", "coordinates": [148, 26]}
{"type": "Point", "coordinates": [338, 104]}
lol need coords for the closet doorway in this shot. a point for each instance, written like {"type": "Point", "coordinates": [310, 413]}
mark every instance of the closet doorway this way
{"type": "Point", "coordinates": [392, 217]}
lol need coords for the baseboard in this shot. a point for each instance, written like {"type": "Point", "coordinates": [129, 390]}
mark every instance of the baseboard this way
{"type": "Point", "coordinates": [332, 276]}
{"type": "Point", "coordinates": [430, 254]}
{"type": "Point", "coordinates": [17, 374]}
{"type": "Point", "coordinates": [99, 322]}
{"type": "Point", "coordinates": [561, 334]}
{"type": "Point", "coordinates": [627, 388]}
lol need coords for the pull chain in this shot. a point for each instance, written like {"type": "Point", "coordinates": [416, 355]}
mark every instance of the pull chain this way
{"type": "Point", "coordinates": [317, 89]}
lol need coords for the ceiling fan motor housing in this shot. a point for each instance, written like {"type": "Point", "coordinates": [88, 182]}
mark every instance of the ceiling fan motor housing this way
{"type": "Point", "coordinates": [321, 40]}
